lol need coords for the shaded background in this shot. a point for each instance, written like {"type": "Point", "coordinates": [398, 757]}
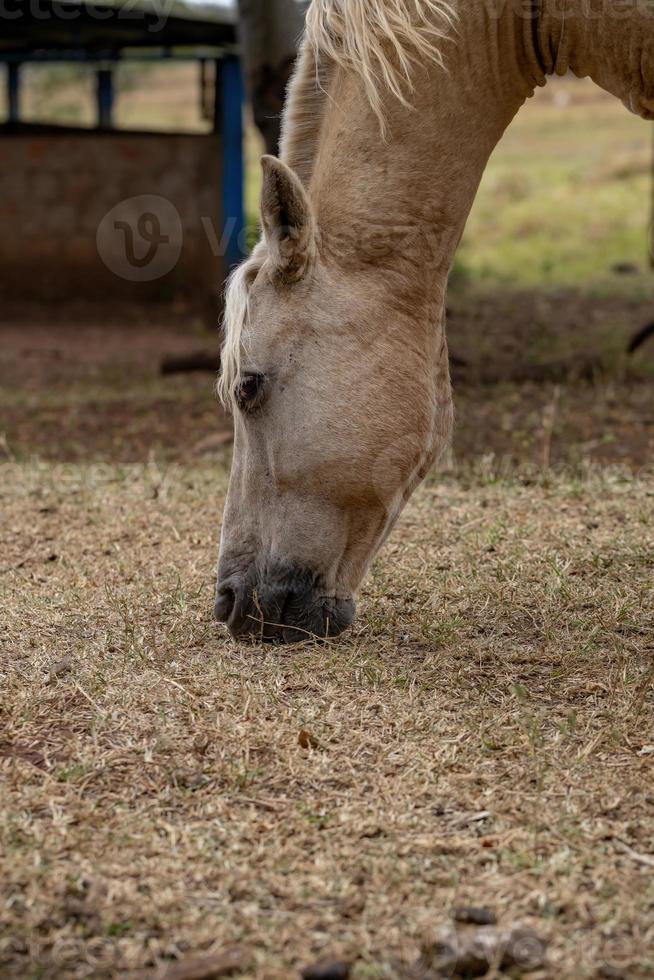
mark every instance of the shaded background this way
{"type": "Point", "coordinates": [552, 280]}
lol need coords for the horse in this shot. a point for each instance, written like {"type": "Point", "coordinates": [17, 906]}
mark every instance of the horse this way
{"type": "Point", "coordinates": [335, 359]}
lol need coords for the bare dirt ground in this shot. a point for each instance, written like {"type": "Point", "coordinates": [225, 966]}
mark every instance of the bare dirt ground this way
{"type": "Point", "coordinates": [80, 385]}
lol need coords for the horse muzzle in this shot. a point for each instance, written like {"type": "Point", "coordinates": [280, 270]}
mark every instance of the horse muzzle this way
{"type": "Point", "coordinates": [280, 602]}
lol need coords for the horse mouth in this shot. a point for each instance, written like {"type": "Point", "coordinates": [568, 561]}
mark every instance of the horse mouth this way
{"type": "Point", "coordinates": [281, 604]}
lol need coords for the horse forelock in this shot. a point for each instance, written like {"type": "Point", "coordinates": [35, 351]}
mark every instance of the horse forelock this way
{"type": "Point", "coordinates": [235, 320]}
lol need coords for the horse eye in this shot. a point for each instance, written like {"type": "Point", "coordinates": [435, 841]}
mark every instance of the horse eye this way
{"type": "Point", "coordinates": [249, 391]}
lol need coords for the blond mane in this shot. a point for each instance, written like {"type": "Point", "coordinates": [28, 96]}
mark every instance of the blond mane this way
{"type": "Point", "coordinates": [381, 41]}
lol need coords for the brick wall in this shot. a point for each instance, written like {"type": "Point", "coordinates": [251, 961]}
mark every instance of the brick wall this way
{"type": "Point", "coordinates": [118, 215]}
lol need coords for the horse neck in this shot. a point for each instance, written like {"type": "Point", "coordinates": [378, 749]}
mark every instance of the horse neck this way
{"type": "Point", "coordinates": [611, 42]}
{"type": "Point", "coordinates": [415, 188]}
{"type": "Point", "coordinates": [403, 197]}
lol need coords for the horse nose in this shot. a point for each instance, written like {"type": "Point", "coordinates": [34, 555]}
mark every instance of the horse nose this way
{"type": "Point", "coordinates": [225, 602]}
{"type": "Point", "coordinates": [285, 604]}
{"type": "Point", "coordinates": [246, 609]}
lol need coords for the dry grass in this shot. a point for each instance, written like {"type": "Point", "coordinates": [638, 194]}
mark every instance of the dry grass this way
{"type": "Point", "coordinates": [155, 800]}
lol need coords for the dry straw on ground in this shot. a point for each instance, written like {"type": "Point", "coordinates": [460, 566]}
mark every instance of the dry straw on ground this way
{"type": "Point", "coordinates": [484, 737]}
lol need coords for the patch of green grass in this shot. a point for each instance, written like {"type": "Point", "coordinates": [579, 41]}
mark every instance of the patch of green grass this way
{"type": "Point", "coordinates": [565, 196]}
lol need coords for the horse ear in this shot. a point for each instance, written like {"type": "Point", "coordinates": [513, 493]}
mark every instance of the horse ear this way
{"type": "Point", "coordinates": [287, 218]}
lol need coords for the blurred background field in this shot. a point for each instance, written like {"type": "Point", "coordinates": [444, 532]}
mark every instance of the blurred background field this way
{"type": "Point", "coordinates": [551, 281]}
{"type": "Point", "coordinates": [565, 200]}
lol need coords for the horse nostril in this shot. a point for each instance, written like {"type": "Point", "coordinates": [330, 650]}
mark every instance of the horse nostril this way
{"type": "Point", "coordinates": [225, 601]}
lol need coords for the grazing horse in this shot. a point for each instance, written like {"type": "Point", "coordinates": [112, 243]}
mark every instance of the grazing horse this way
{"type": "Point", "coordinates": [335, 360]}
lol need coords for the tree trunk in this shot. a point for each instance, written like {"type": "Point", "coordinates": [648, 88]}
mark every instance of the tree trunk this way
{"type": "Point", "coordinates": [269, 31]}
